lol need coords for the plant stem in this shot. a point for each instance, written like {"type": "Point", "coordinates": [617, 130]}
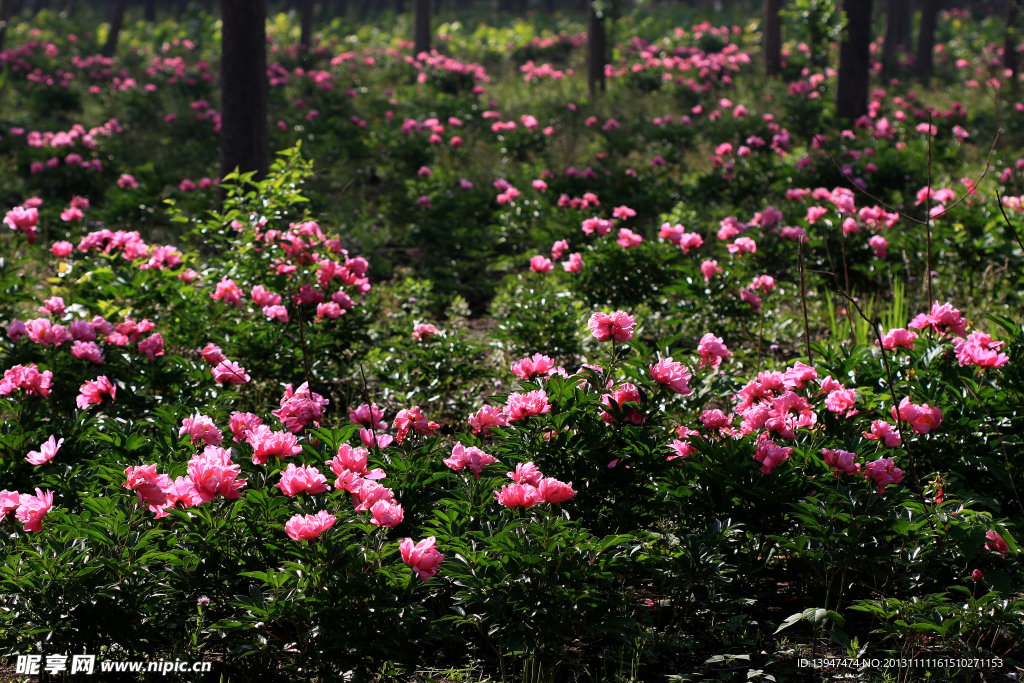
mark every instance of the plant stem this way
{"type": "Point", "coordinates": [803, 301]}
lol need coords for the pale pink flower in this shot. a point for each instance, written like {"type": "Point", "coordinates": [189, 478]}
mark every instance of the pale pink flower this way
{"type": "Point", "coordinates": [9, 502]}
{"type": "Point", "coordinates": [520, 406]}
{"type": "Point", "coordinates": [628, 238]}
{"type": "Point", "coordinates": [261, 296]}
{"type": "Point", "coordinates": [517, 496]}
{"type": "Point", "coordinates": [672, 374]}
{"type": "Point", "coordinates": [231, 372]}
{"type": "Point", "coordinates": [33, 508]}
{"type": "Point", "coordinates": [884, 472]}
{"type": "Point", "coordinates": [46, 452]}
{"type": "Point", "coordinates": [485, 418]}
{"type": "Point", "coordinates": [529, 367]}
{"type": "Point", "coordinates": [623, 212]}
{"type": "Point", "coordinates": [814, 213]}
{"type": "Point", "coordinates": [242, 423]}
{"type": "Point", "coordinates": [618, 326]}
{"type": "Point", "coordinates": [423, 557]}
{"type": "Point", "coordinates": [742, 245]}
{"type": "Point", "coordinates": [690, 240]}
{"type": "Point", "coordinates": [201, 428]}
{"type": "Point", "coordinates": [309, 527]}
{"type": "Point", "coordinates": [266, 443]}
{"type": "Point", "coordinates": [92, 392]}
{"type": "Point", "coordinates": [471, 457]}
{"type": "Point", "coordinates": [280, 313]}
{"type": "Point", "coordinates": [841, 400]}
{"type": "Point", "coordinates": [526, 474]}
{"type": "Point", "coordinates": [423, 331]}
{"type": "Point", "coordinates": [712, 351]}
{"type": "Point", "coordinates": [554, 492]}
{"type": "Point", "coordinates": [302, 479]}
{"type": "Point", "coordinates": [559, 248]}
{"type": "Point", "coordinates": [708, 269]}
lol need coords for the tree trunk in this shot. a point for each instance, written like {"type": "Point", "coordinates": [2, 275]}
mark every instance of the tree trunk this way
{"type": "Point", "coordinates": [437, 7]}
{"type": "Point", "coordinates": [116, 22]}
{"type": "Point", "coordinates": [898, 27]}
{"type": "Point", "coordinates": [243, 80]}
{"type": "Point", "coordinates": [150, 10]}
{"type": "Point", "coordinates": [422, 37]}
{"type": "Point", "coordinates": [854, 61]}
{"type": "Point", "coordinates": [6, 8]}
{"type": "Point", "coordinates": [772, 37]}
{"type": "Point", "coordinates": [926, 39]}
{"type": "Point", "coordinates": [1012, 39]}
{"type": "Point", "coordinates": [595, 51]}
{"type": "Point", "coordinates": [306, 10]}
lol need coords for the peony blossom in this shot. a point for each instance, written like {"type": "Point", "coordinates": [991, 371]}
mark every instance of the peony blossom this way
{"type": "Point", "coordinates": [672, 374]}
{"type": "Point", "coordinates": [9, 502]}
{"type": "Point", "coordinates": [530, 367]}
{"type": "Point", "coordinates": [266, 443]}
{"type": "Point", "coordinates": [921, 418]}
{"type": "Point", "coordinates": [559, 248]}
{"type": "Point", "coordinates": [423, 557]}
{"type": "Point", "coordinates": [995, 543]}
{"type": "Point", "coordinates": [628, 238]}
{"type": "Point", "coordinates": [539, 264]}
{"type": "Point", "coordinates": [712, 351]}
{"type": "Point", "coordinates": [302, 479]}
{"type": "Point", "coordinates": [898, 337]}
{"type": "Point", "coordinates": [472, 457]}
{"type": "Point", "coordinates": [387, 514]}
{"type": "Point", "coordinates": [880, 245]}
{"type": "Point", "coordinates": [708, 269]}
{"type": "Point", "coordinates": [228, 292]}
{"type": "Point", "coordinates": [627, 393]}
{"type": "Point", "coordinates": [423, 331]}
{"type": "Point", "coordinates": [46, 452]}
{"type": "Point", "coordinates": [212, 354]}
{"type": "Point", "coordinates": [213, 473]}
{"type": "Point", "coordinates": [92, 392]}
{"type": "Point", "coordinates": [368, 416]}
{"type": "Point", "coordinates": [526, 474]}
{"type": "Point", "coordinates": [231, 372]}
{"type": "Point", "coordinates": [519, 406]}
{"type": "Point", "coordinates": [884, 472]}
{"type": "Point", "coordinates": [201, 428]}
{"type": "Point", "coordinates": [617, 326]}
{"type": "Point", "coordinates": [414, 419]}
{"type": "Point", "coordinates": [300, 408]}
{"type": "Point", "coordinates": [554, 492]}
{"type": "Point", "coordinates": [574, 264]}
{"type": "Point", "coordinates": [883, 431]}
{"type": "Point", "coordinates": [515, 496]}
{"type": "Point", "coordinates": [979, 349]}
{"type": "Point", "coordinates": [941, 319]}
{"type": "Point", "coordinates": [309, 527]}
{"type": "Point", "coordinates": [32, 509]}
{"type": "Point", "coordinates": [87, 351]}
{"type": "Point", "coordinates": [242, 423]}
{"type": "Point", "coordinates": [841, 462]}
{"type": "Point", "coordinates": [771, 456]}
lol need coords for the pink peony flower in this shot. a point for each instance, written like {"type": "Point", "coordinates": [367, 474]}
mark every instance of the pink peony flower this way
{"type": "Point", "coordinates": [539, 264]}
{"type": "Point", "coordinates": [897, 337]}
{"type": "Point", "coordinates": [618, 326]}
{"type": "Point", "coordinates": [472, 457]}
{"type": "Point", "coordinates": [742, 245]}
{"type": "Point", "coordinates": [672, 374]}
{"type": "Point", "coordinates": [921, 418]}
{"type": "Point", "coordinates": [32, 509]}
{"type": "Point", "coordinates": [92, 392]}
{"type": "Point", "coordinates": [841, 462]}
{"type": "Point", "coordinates": [712, 351]}
{"type": "Point", "coordinates": [554, 492]}
{"type": "Point", "coordinates": [414, 419]}
{"type": "Point", "coordinates": [61, 249]}
{"type": "Point", "coordinates": [309, 527]}
{"type": "Point", "coordinates": [46, 452]}
{"type": "Point", "coordinates": [423, 557]}
{"type": "Point", "coordinates": [127, 182]}
{"type": "Point", "coordinates": [26, 378]}
{"type": "Point", "coordinates": [943, 318]}
{"type": "Point", "coordinates": [231, 372]}
{"type": "Point", "coordinates": [387, 514]}
{"type": "Point", "coordinates": [526, 474]}
{"type": "Point", "coordinates": [485, 418]}
{"type": "Point", "coordinates": [771, 456]}
{"type": "Point", "coordinates": [882, 430]}
{"type": "Point", "coordinates": [368, 416]}
{"type": "Point", "coordinates": [87, 351]}
{"type": "Point", "coordinates": [979, 349]}
{"type": "Point", "coordinates": [559, 248]}
{"type": "Point", "coordinates": [529, 367]}
{"type": "Point", "coordinates": [623, 212]}
{"type": "Point", "coordinates": [517, 496]}
{"type": "Point", "coordinates": [302, 479]}
{"type": "Point", "coordinates": [750, 297]}
{"type": "Point", "coordinates": [152, 346]}
{"type": "Point", "coordinates": [300, 408]}
{"type": "Point", "coordinates": [370, 439]}
{"type": "Point", "coordinates": [628, 238]}
{"type": "Point", "coordinates": [265, 443]}
{"type": "Point", "coordinates": [574, 264]}
{"type": "Point", "coordinates": [242, 423]}
{"type": "Point", "coordinates": [841, 400]}
{"type": "Point", "coordinates": [995, 542]}
{"type": "Point", "coordinates": [884, 472]}
{"type": "Point", "coordinates": [9, 502]}
{"type": "Point", "coordinates": [519, 406]}
{"type": "Point", "coordinates": [261, 296]}
{"type": "Point", "coordinates": [423, 331]}
{"type": "Point", "coordinates": [708, 269]}
{"type": "Point", "coordinates": [212, 354]}
{"type": "Point", "coordinates": [880, 245]}
{"type": "Point", "coordinates": [201, 428]}
{"type": "Point", "coordinates": [212, 472]}
{"type": "Point", "coordinates": [227, 291]}
{"type": "Point", "coordinates": [627, 393]}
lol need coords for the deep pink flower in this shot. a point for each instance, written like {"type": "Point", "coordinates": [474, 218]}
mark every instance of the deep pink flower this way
{"type": "Point", "coordinates": [387, 514]}
{"type": "Point", "coordinates": [672, 374]}
{"type": "Point", "coordinates": [242, 423]}
{"type": "Point", "coordinates": [9, 502]}
{"type": "Point", "coordinates": [231, 372]}
{"type": "Point", "coordinates": [25, 219]}
{"type": "Point", "coordinates": [280, 313]}
{"type": "Point", "coordinates": [559, 248]}
{"type": "Point", "coordinates": [471, 457]}
{"type": "Point", "coordinates": [682, 449]}
{"type": "Point", "coordinates": [742, 245]}
{"type": "Point", "coordinates": [539, 264]}
{"type": "Point", "coordinates": [715, 419]}
{"type": "Point", "coordinates": [943, 318]}
{"type": "Point", "coordinates": [61, 249]}
{"type": "Point", "coordinates": [882, 430]}
{"type": "Point", "coordinates": [127, 182]}
{"type": "Point", "coordinates": [227, 291]}
{"type": "Point", "coordinates": [368, 416]}
{"type": "Point", "coordinates": [712, 351]}
{"type": "Point", "coordinates": [414, 419]}
{"type": "Point", "coordinates": [302, 479]}
{"type": "Point", "coordinates": [92, 392]}
{"type": "Point", "coordinates": [554, 492]}
{"type": "Point", "coordinates": [897, 337]}
{"type": "Point", "coordinates": [526, 474]}
{"type": "Point", "coordinates": [574, 264]}
{"type": "Point", "coordinates": [368, 493]}
{"type": "Point", "coordinates": [201, 428]}
{"type": "Point", "coordinates": [921, 418]}
{"type": "Point", "coordinates": [46, 452]}
{"type": "Point", "coordinates": [884, 472]}
{"type": "Point", "coordinates": [880, 245]}
{"type": "Point", "coordinates": [623, 212]}
{"type": "Point", "coordinates": [370, 438]}
{"type": "Point", "coordinates": [979, 349]}
{"type": "Point", "coordinates": [708, 269]}
{"type": "Point", "coordinates": [816, 212]}
{"type": "Point", "coordinates": [212, 354]}
{"type": "Point", "coordinates": [519, 406]}
{"type": "Point", "coordinates": [423, 557]}
{"type": "Point", "coordinates": [309, 527]}
{"type": "Point", "coordinates": [485, 418]}
{"type": "Point", "coordinates": [750, 297]}
{"type": "Point", "coordinates": [627, 393]}
{"type": "Point", "coordinates": [841, 400]}
{"type": "Point", "coordinates": [841, 462]}
{"type": "Point", "coordinates": [32, 509]}
{"type": "Point", "coordinates": [618, 326]}
{"type": "Point", "coordinates": [995, 542]}
{"type": "Point", "coordinates": [300, 408]}
{"type": "Point", "coordinates": [212, 472]}
{"type": "Point", "coordinates": [87, 351]}
{"type": "Point", "coordinates": [628, 238]}
{"type": "Point", "coordinates": [517, 496]}
{"type": "Point", "coordinates": [423, 331]}
{"type": "Point", "coordinates": [771, 456]}
{"type": "Point", "coordinates": [529, 367]}
{"type": "Point", "coordinates": [152, 346]}
{"type": "Point", "coordinates": [266, 443]}
{"type": "Point", "coordinates": [261, 296]}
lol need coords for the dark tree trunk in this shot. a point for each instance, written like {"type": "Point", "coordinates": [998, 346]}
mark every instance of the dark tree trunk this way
{"type": "Point", "coordinates": [421, 38]}
{"type": "Point", "coordinates": [595, 51]}
{"type": "Point", "coordinates": [150, 10]}
{"type": "Point", "coordinates": [6, 9]}
{"type": "Point", "coordinates": [118, 9]}
{"type": "Point", "coordinates": [243, 80]}
{"type": "Point", "coordinates": [772, 37]}
{"type": "Point", "coordinates": [437, 7]}
{"type": "Point", "coordinates": [306, 10]}
{"type": "Point", "coordinates": [1012, 39]}
{"type": "Point", "coordinates": [854, 61]}
{"type": "Point", "coordinates": [898, 27]}
{"type": "Point", "coordinates": [926, 38]}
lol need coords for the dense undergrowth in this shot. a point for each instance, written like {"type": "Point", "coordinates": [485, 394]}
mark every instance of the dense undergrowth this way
{"type": "Point", "coordinates": [667, 376]}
